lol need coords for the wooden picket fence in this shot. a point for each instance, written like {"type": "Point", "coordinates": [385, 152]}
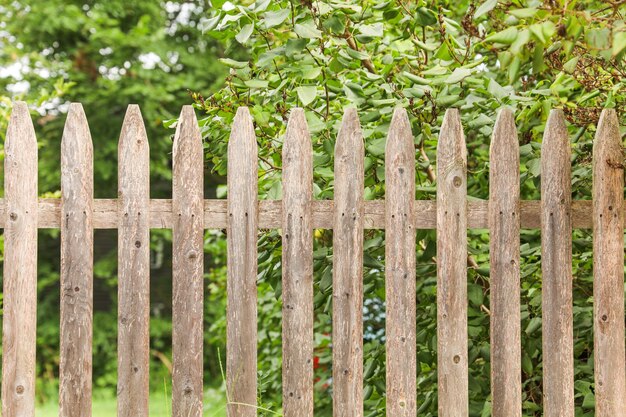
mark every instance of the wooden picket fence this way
{"type": "Point", "coordinates": [77, 214]}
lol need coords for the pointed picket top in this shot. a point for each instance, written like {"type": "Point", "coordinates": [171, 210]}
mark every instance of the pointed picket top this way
{"type": "Point", "coordinates": [187, 138]}
{"type": "Point", "coordinates": [451, 138]}
{"type": "Point", "coordinates": [350, 137]}
{"type": "Point", "coordinates": [297, 133]}
{"type": "Point", "coordinates": [555, 133]}
{"type": "Point", "coordinates": [76, 135]}
{"type": "Point", "coordinates": [607, 134]}
{"type": "Point", "coordinates": [20, 131]}
{"type": "Point", "coordinates": [504, 142]}
{"type": "Point", "coordinates": [242, 131]}
{"type": "Point", "coordinates": [133, 137]}
{"type": "Point", "coordinates": [399, 137]}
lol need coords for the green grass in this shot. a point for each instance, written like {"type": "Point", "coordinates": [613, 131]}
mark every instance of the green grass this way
{"type": "Point", "coordinates": [160, 405]}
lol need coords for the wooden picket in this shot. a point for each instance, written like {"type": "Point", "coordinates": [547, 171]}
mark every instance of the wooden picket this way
{"type": "Point", "coordinates": [242, 232]}
{"type": "Point", "coordinates": [20, 266]}
{"type": "Point", "coordinates": [187, 267]}
{"type": "Point", "coordinates": [297, 269]}
{"type": "Point", "coordinates": [556, 264]}
{"type": "Point", "coordinates": [76, 266]}
{"type": "Point", "coordinates": [348, 269]}
{"type": "Point", "coordinates": [504, 226]}
{"type": "Point", "coordinates": [133, 268]}
{"type": "Point", "coordinates": [242, 214]}
{"type": "Point", "coordinates": [400, 285]}
{"type": "Point", "coordinates": [608, 268]}
{"type": "Point", "coordinates": [452, 367]}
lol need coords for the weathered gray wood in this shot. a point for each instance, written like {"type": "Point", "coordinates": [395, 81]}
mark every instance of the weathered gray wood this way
{"type": "Point", "coordinates": [556, 267]}
{"type": "Point", "coordinates": [241, 339]}
{"type": "Point", "coordinates": [451, 268]}
{"type": "Point", "coordinates": [297, 269]}
{"type": "Point", "coordinates": [270, 214]}
{"type": "Point", "coordinates": [133, 267]}
{"type": "Point", "coordinates": [504, 222]}
{"type": "Point", "coordinates": [400, 283]}
{"type": "Point", "coordinates": [608, 268]}
{"type": "Point", "coordinates": [348, 270]}
{"type": "Point", "coordinates": [19, 265]}
{"type": "Point", "coordinates": [76, 266]}
{"type": "Point", "coordinates": [188, 265]}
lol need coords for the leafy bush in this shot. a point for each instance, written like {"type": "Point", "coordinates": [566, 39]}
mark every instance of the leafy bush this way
{"type": "Point", "coordinates": [427, 57]}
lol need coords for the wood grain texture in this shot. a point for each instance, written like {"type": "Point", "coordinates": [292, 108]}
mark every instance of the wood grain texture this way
{"type": "Point", "coordinates": [348, 269]}
{"type": "Point", "coordinates": [241, 340]}
{"type": "Point", "coordinates": [75, 366]}
{"type": "Point", "coordinates": [19, 265]}
{"type": "Point", "coordinates": [556, 267]}
{"type": "Point", "coordinates": [270, 214]}
{"type": "Point", "coordinates": [608, 268]}
{"type": "Point", "coordinates": [133, 267]}
{"type": "Point", "coordinates": [188, 266]}
{"type": "Point", "coordinates": [451, 268]}
{"type": "Point", "coordinates": [297, 269]}
{"type": "Point", "coordinates": [400, 283]}
{"type": "Point", "coordinates": [504, 250]}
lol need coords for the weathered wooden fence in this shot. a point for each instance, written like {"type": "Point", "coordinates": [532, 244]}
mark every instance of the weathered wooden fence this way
{"type": "Point", "coordinates": [77, 213]}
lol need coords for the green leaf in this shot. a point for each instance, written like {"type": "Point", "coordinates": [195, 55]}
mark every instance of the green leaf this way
{"type": "Point", "coordinates": [475, 295]}
{"type": "Point", "coordinates": [589, 402]}
{"type": "Point", "coordinates": [307, 30]}
{"type": "Point", "coordinates": [619, 43]}
{"type": "Point", "coordinates": [232, 63]}
{"type": "Point", "coordinates": [244, 34]}
{"type": "Point", "coordinates": [485, 8]}
{"type": "Point", "coordinates": [496, 89]}
{"type": "Point", "coordinates": [506, 36]}
{"type": "Point", "coordinates": [570, 66]}
{"type": "Point", "coordinates": [458, 75]}
{"type": "Point", "coordinates": [306, 94]}
{"type": "Point", "coordinates": [256, 83]}
{"type": "Point", "coordinates": [375, 30]}
{"type": "Point", "coordinates": [295, 45]}
{"type": "Point", "coordinates": [523, 13]}
{"type": "Point", "coordinates": [275, 18]}
{"type": "Point", "coordinates": [425, 17]}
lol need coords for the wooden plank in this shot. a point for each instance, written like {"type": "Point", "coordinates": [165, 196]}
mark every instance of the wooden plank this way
{"type": "Point", "coordinates": [297, 269]}
{"type": "Point", "coordinates": [188, 265]}
{"type": "Point", "coordinates": [270, 214]}
{"type": "Point", "coordinates": [19, 265]}
{"type": "Point", "coordinates": [556, 267]}
{"type": "Point", "coordinates": [133, 267]}
{"type": "Point", "coordinates": [400, 283]}
{"type": "Point", "coordinates": [504, 249]}
{"type": "Point", "coordinates": [608, 268]}
{"type": "Point", "coordinates": [451, 268]}
{"type": "Point", "coordinates": [348, 269]}
{"type": "Point", "coordinates": [75, 366]}
{"type": "Point", "coordinates": [241, 326]}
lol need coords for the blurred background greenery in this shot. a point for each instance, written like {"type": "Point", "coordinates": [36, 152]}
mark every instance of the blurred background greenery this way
{"type": "Point", "coordinates": [324, 56]}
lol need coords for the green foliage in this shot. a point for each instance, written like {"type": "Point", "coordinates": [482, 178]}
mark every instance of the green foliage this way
{"type": "Point", "coordinates": [427, 57]}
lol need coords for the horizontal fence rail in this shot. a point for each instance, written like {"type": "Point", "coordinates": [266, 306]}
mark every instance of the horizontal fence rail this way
{"type": "Point", "coordinates": [188, 214]}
